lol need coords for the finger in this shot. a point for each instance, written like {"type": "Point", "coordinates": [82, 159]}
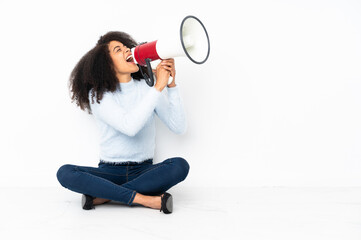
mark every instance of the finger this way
{"type": "Point", "coordinates": [167, 62]}
{"type": "Point", "coordinates": [167, 65]}
{"type": "Point", "coordinates": [159, 66]}
{"type": "Point", "coordinates": [168, 68]}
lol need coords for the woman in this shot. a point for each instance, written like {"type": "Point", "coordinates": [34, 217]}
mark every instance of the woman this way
{"type": "Point", "coordinates": [108, 84]}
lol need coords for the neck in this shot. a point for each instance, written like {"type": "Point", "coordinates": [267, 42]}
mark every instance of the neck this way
{"type": "Point", "coordinates": [124, 78]}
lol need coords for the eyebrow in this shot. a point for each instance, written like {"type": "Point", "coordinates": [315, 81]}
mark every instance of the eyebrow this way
{"type": "Point", "coordinates": [116, 47]}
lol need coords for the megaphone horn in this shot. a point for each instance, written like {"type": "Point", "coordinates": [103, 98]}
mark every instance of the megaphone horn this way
{"type": "Point", "coordinates": [194, 44]}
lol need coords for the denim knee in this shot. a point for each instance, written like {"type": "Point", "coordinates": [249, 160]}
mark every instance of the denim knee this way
{"type": "Point", "coordinates": [64, 174]}
{"type": "Point", "coordinates": [183, 165]}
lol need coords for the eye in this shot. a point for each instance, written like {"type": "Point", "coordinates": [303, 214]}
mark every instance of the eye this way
{"type": "Point", "coordinates": [119, 50]}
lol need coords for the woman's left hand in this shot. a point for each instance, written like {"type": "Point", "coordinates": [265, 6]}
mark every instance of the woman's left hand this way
{"type": "Point", "coordinates": [169, 65]}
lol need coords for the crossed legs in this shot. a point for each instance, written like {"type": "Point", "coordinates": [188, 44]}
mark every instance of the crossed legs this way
{"type": "Point", "coordinates": [144, 186]}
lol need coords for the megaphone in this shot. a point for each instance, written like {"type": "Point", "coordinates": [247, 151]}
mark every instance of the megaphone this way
{"type": "Point", "coordinates": [193, 43]}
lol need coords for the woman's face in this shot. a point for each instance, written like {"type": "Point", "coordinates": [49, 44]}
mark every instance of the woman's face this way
{"type": "Point", "coordinates": [122, 58]}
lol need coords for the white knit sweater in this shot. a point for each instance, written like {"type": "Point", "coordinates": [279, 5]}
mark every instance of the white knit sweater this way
{"type": "Point", "coordinates": [125, 119]}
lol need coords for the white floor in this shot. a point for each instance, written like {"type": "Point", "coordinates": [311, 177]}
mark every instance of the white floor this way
{"type": "Point", "coordinates": [206, 213]}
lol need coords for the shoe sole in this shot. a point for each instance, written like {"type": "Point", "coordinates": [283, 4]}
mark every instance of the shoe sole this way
{"type": "Point", "coordinates": [85, 205]}
{"type": "Point", "coordinates": [169, 204]}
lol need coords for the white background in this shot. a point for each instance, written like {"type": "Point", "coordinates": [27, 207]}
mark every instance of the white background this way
{"type": "Point", "coordinates": [277, 104]}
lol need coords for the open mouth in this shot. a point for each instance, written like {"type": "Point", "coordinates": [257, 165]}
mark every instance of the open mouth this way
{"type": "Point", "coordinates": [130, 59]}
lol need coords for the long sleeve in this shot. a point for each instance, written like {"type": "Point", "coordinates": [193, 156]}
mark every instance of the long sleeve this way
{"type": "Point", "coordinates": [171, 111]}
{"type": "Point", "coordinates": [127, 122]}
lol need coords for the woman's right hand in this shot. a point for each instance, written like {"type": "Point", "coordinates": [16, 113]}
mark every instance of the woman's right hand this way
{"type": "Point", "coordinates": [162, 75]}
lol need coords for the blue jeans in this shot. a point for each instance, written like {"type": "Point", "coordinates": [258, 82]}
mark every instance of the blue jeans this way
{"type": "Point", "coordinates": [122, 182]}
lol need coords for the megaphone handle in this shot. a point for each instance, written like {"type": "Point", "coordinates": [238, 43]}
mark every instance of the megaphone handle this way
{"type": "Point", "coordinates": [150, 72]}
